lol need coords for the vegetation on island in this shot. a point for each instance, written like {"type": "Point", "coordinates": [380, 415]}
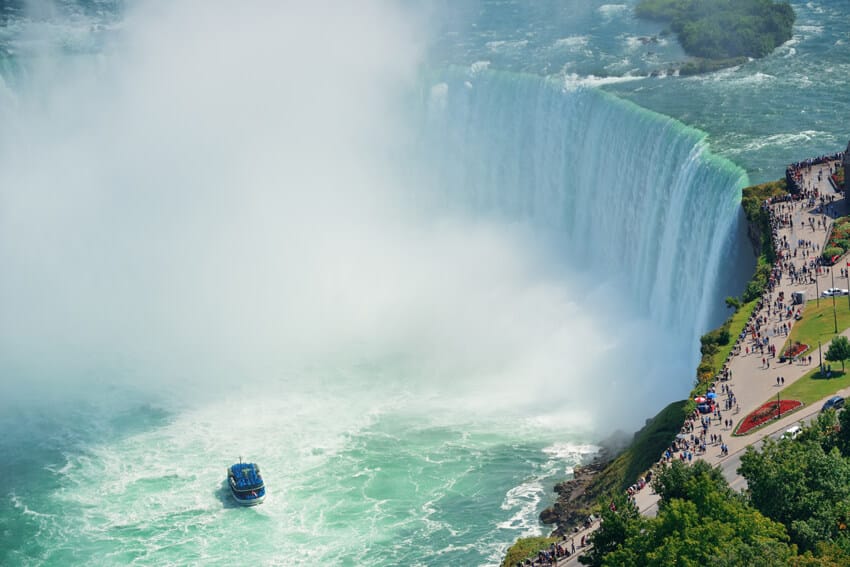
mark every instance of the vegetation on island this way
{"type": "Point", "coordinates": [722, 33]}
{"type": "Point", "coordinates": [699, 65]}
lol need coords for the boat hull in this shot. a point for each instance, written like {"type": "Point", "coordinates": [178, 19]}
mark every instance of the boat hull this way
{"type": "Point", "coordinates": [248, 501]}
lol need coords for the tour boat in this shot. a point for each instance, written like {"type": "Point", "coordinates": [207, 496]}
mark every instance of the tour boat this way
{"type": "Point", "coordinates": [246, 483]}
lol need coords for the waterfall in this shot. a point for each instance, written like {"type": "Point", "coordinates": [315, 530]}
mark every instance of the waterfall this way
{"type": "Point", "coordinates": [636, 196]}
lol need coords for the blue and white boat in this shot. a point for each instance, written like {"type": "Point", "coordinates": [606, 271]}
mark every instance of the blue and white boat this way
{"type": "Point", "coordinates": [246, 483]}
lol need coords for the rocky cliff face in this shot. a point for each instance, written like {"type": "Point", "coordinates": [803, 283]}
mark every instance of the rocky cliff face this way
{"type": "Point", "coordinates": [574, 502]}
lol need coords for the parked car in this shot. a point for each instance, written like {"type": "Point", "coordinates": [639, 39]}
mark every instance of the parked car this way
{"type": "Point", "coordinates": [835, 402]}
{"type": "Point", "coordinates": [792, 432]}
{"type": "Point", "coordinates": [834, 291]}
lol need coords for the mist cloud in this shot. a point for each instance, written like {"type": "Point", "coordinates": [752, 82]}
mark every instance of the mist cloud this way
{"type": "Point", "coordinates": [216, 193]}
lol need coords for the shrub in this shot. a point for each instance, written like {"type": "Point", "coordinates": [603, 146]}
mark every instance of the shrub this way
{"type": "Point", "coordinates": [830, 252]}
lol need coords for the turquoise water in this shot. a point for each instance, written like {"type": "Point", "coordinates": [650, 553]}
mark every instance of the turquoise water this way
{"type": "Point", "coordinates": [761, 115]}
{"type": "Point", "coordinates": [401, 269]}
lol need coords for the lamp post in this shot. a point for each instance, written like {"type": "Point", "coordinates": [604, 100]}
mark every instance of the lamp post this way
{"type": "Point", "coordinates": [817, 290]}
{"type": "Point", "coordinates": [834, 314]}
{"type": "Point", "coordinates": [848, 283]}
{"type": "Point", "coordinates": [820, 358]}
{"type": "Point", "coordinates": [778, 407]}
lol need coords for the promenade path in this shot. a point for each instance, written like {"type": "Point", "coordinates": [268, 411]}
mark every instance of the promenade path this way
{"type": "Point", "coordinates": [752, 382]}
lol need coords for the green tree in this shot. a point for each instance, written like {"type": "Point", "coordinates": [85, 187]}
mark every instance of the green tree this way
{"type": "Point", "coordinates": [843, 434]}
{"type": "Point", "coordinates": [839, 350]}
{"type": "Point", "coordinates": [701, 521]}
{"type": "Point", "coordinates": [621, 521]}
{"type": "Point", "coordinates": [803, 487]}
{"type": "Point", "coordinates": [823, 430]}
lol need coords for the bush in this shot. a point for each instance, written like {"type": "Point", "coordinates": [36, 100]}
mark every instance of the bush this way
{"type": "Point", "coordinates": [830, 252]}
{"type": "Point", "coordinates": [525, 548]}
{"type": "Point", "coordinates": [758, 283]}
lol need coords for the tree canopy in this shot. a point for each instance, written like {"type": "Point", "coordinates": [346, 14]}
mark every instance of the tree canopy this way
{"type": "Point", "coordinates": [700, 521]}
{"type": "Point", "coordinates": [796, 510]}
{"type": "Point", "coordinates": [839, 350]}
{"type": "Point", "coordinates": [723, 29]}
{"type": "Point", "coordinates": [802, 486]}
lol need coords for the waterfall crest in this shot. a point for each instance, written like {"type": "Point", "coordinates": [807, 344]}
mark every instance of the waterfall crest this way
{"type": "Point", "coordinates": [638, 197]}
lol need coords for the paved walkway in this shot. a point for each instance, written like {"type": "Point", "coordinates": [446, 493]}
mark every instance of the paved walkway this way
{"type": "Point", "coordinates": [753, 382]}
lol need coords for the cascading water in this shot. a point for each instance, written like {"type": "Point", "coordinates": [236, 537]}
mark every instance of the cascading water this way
{"type": "Point", "coordinates": [197, 268]}
{"type": "Point", "coordinates": [636, 196]}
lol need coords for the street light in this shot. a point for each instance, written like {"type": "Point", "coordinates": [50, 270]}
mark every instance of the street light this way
{"type": "Point", "coordinates": [834, 314]}
{"type": "Point", "coordinates": [820, 358]}
{"type": "Point", "coordinates": [817, 290]}
{"type": "Point", "coordinates": [848, 283]}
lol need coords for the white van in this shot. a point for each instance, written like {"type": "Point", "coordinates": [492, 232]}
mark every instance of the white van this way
{"type": "Point", "coordinates": [792, 432]}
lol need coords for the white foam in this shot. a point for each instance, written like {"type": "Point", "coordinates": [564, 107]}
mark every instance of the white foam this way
{"type": "Point", "coordinates": [633, 42]}
{"type": "Point", "coordinates": [566, 451]}
{"type": "Point", "coordinates": [506, 45]}
{"type": "Point", "coordinates": [572, 42]}
{"type": "Point", "coordinates": [573, 81]}
{"type": "Point", "coordinates": [810, 30]}
{"type": "Point", "coordinates": [479, 66]}
{"type": "Point", "coordinates": [609, 11]}
{"type": "Point", "coordinates": [524, 499]}
{"type": "Point", "coordinates": [735, 77]}
{"type": "Point", "coordinates": [782, 140]}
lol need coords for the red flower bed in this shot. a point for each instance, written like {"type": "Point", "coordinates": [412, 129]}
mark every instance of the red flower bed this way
{"type": "Point", "coordinates": [795, 349]}
{"type": "Point", "coordinates": [765, 413]}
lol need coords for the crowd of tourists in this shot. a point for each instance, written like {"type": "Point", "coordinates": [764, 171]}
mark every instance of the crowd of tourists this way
{"type": "Point", "coordinates": [794, 172]}
{"type": "Point", "coordinates": [773, 314]}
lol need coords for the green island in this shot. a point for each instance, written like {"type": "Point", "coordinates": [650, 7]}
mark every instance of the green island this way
{"type": "Point", "coordinates": [722, 33]}
{"type": "Point", "coordinates": [797, 511]}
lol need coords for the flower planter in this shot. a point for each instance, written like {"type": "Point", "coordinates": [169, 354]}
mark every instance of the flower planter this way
{"type": "Point", "coordinates": [767, 412]}
{"type": "Point", "coordinates": [793, 350]}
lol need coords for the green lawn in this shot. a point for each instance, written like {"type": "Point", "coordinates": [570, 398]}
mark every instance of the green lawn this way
{"type": "Point", "coordinates": [812, 387]}
{"type": "Point", "coordinates": [818, 323]}
{"type": "Point", "coordinates": [738, 323]}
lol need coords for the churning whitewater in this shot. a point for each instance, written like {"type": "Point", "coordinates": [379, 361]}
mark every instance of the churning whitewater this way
{"type": "Point", "coordinates": [390, 285]}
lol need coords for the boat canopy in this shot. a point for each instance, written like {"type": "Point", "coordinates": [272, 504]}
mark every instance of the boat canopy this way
{"type": "Point", "coordinates": [246, 476]}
